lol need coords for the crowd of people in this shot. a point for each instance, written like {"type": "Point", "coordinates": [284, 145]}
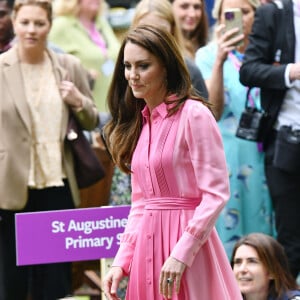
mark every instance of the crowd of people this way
{"type": "Point", "coordinates": [212, 216]}
{"type": "Point", "coordinates": [249, 207]}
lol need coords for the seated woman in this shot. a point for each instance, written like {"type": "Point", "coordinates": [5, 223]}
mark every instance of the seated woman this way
{"type": "Point", "coordinates": [261, 269]}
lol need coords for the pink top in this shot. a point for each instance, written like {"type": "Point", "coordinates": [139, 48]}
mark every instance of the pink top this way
{"type": "Point", "coordinates": [98, 39]}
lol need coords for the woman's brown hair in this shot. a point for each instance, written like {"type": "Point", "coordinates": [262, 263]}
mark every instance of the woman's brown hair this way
{"type": "Point", "coordinates": [272, 256]}
{"type": "Point", "coordinates": [123, 130]}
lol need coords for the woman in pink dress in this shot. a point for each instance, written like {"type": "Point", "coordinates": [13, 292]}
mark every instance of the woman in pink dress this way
{"type": "Point", "coordinates": [169, 140]}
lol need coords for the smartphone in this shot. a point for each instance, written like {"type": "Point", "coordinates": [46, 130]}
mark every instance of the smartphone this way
{"type": "Point", "coordinates": [234, 19]}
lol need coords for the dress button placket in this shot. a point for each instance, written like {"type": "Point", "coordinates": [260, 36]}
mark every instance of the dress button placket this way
{"type": "Point", "coordinates": [149, 259]}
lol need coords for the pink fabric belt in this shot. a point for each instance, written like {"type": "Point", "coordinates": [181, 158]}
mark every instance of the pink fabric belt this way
{"type": "Point", "coordinates": [171, 203]}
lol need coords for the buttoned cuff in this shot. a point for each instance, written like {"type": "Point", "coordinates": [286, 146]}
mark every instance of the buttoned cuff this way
{"type": "Point", "coordinates": [186, 249]}
{"type": "Point", "coordinates": [123, 258]}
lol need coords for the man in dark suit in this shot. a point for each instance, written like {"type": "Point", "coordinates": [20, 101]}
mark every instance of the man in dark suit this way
{"type": "Point", "coordinates": [272, 62]}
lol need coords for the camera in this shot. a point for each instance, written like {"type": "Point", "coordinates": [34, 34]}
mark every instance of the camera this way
{"type": "Point", "coordinates": [251, 124]}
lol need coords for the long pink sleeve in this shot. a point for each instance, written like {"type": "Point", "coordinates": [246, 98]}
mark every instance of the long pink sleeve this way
{"type": "Point", "coordinates": [198, 171]}
{"type": "Point", "coordinates": [204, 144]}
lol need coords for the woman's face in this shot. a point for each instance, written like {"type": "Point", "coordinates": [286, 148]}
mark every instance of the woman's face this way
{"type": "Point", "coordinates": [90, 7]}
{"type": "Point", "coordinates": [145, 74]}
{"type": "Point", "coordinates": [188, 13]}
{"type": "Point", "coordinates": [252, 277]}
{"type": "Point", "coordinates": [247, 12]}
{"type": "Point", "coordinates": [31, 27]}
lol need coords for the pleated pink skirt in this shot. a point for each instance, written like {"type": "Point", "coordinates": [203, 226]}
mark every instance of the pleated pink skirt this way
{"type": "Point", "coordinates": [209, 278]}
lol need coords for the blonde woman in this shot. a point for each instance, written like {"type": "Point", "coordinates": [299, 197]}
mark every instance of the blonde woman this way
{"type": "Point", "coordinates": [193, 22]}
{"type": "Point", "coordinates": [80, 28]}
{"type": "Point", "coordinates": [159, 12]}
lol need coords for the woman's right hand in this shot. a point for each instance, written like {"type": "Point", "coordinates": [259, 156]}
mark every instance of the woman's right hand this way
{"type": "Point", "coordinates": [111, 282]}
{"type": "Point", "coordinates": [226, 42]}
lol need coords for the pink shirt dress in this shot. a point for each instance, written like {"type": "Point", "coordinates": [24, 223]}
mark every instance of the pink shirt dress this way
{"type": "Point", "coordinates": [179, 187]}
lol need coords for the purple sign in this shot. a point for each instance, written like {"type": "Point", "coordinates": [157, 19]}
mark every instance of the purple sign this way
{"type": "Point", "coordinates": [69, 235]}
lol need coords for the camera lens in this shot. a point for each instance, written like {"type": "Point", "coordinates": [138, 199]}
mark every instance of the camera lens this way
{"type": "Point", "coordinates": [229, 15]}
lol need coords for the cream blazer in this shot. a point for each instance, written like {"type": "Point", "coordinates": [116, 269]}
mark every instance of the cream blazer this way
{"type": "Point", "coordinates": [15, 129]}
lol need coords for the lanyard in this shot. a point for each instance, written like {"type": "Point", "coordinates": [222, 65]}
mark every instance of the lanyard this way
{"type": "Point", "coordinates": [98, 39]}
{"type": "Point", "coordinates": [236, 59]}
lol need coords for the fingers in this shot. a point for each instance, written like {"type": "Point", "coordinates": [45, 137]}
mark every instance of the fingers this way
{"type": "Point", "coordinates": [227, 40]}
{"type": "Point", "coordinates": [66, 85]}
{"type": "Point", "coordinates": [66, 88]}
{"type": "Point", "coordinates": [230, 40]}
{"type": "Point", "coordinates": [220, 30]}
{"type": "Point", "coordinates": [107, 286]}
{"type": "Point", "coordinates": [111, 283]}
{"type": "Point", "coordinates": [168, 282]}
{"type": "Point", "coordinates": [170, 277]}
{"type": "Point", "coordinates": [170, 286]}
{"type": "Point", "coordinates": [110, 288]}
{"type": "Point", "coordinates": [177, 284]}
{"type": "Point", "coordinates": [114, 286]}
{"type": "Point", "coordinates": [70, 94]}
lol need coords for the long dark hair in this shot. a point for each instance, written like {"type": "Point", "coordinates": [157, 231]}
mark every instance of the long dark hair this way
{"type": "Point", "coordinates": [123, 131]}
{"type": "Point", "coordinates": [272, 256]}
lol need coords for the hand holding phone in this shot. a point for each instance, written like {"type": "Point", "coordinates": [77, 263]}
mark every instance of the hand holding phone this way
{"type": "Point", "coordinates": [234, 19]}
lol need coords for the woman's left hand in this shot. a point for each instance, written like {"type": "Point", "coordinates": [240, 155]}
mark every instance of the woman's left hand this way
{"type": "Point", "coordinates": [170, 277]}
{"type": "Point", "coordinates": [70, 94]}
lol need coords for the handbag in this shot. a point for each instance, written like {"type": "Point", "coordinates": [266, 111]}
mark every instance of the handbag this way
{"type": "Point", "coordinates": [88, 168]}
{"type": "Point", "coordinates": [251, 125]}
{"type": "Point", "coordinates": [287, 150]}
